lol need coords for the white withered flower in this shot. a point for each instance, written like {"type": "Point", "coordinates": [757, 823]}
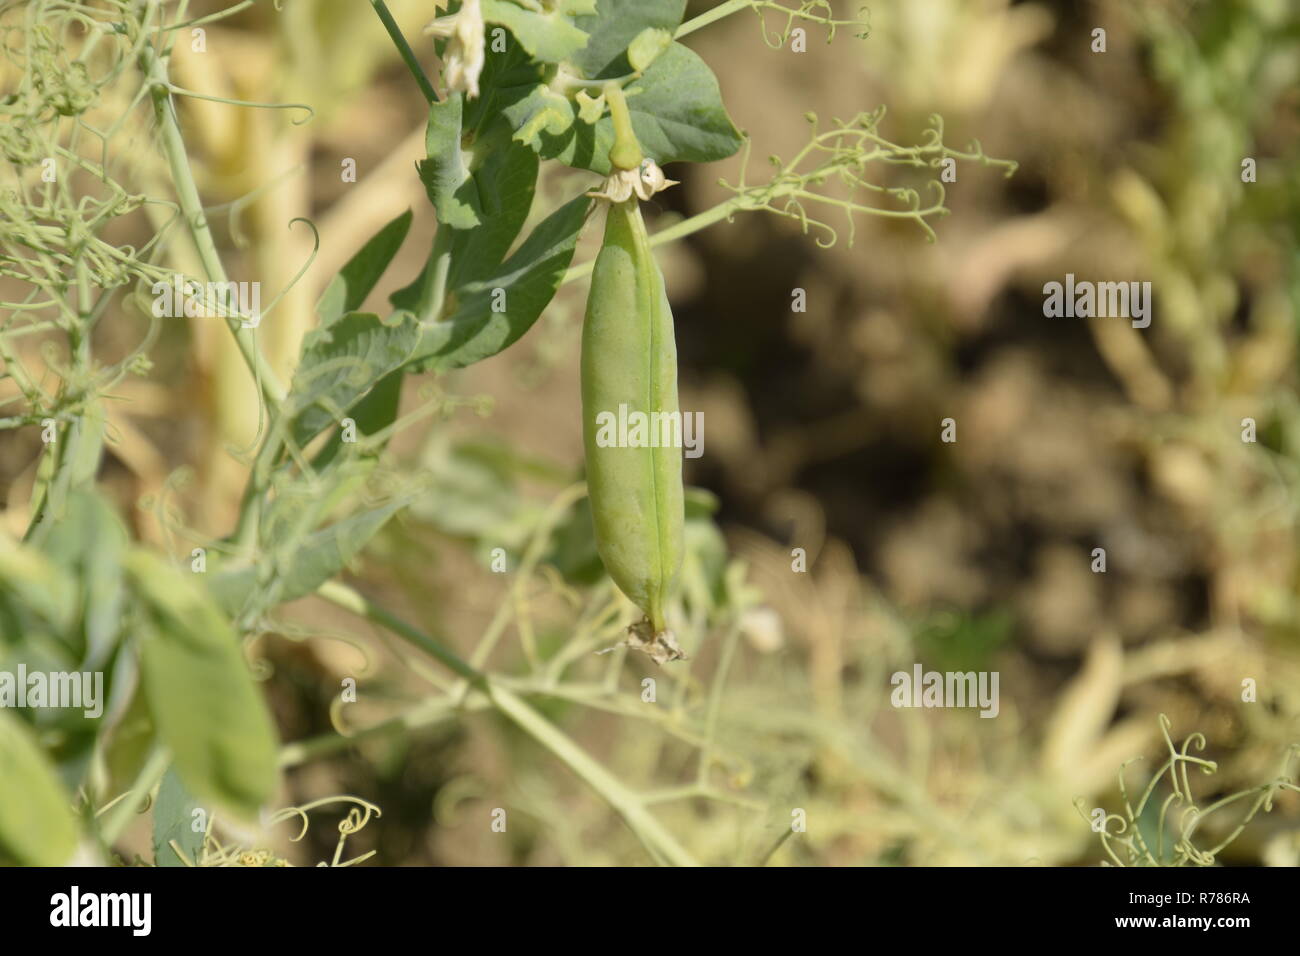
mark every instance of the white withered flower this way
{"type": "Point", "coordinates": [463, 59]}
{"type": "Point", "coordinates": [644, 181]}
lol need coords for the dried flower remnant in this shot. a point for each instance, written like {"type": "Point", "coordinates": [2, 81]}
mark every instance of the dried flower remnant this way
{"type": "Point", "coordinates": [643, 182]}
{"type": "Point", "coordinates": [463, 61]}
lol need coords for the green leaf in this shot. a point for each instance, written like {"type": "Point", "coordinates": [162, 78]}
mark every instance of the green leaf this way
{"type": "Point", "coordinates": [527, 281]}
{"type": "Point", "coordinates": [105, 541]}
{"type": "Point", "coordinates": [130, 742]}
{"type": "Point", "coordinates": [572, 549]}
{"type": "Point", "coordinates": [445, 172]}
{"type": "Point", "coordinates": [500, 191]}
{"type": "Point", "coordinates": [87, 437]}
{"type": "Point", "coordinates": [32, 583]}
{"type": "Point", "coordinates": [503, 187]}
{"type": "Point", "coordinates": [547, 36]}
{"type": "Point", "coordinates": [86, 546]}
{"type": "Point", "coordinates": [348, 290]}
{"type": "Point", "coordinates": [324, 554]}
{"type": "Point", "coordinates": [340, 364]}
{"type": "Point", "coordinates": [37, 827]}
{"type": "Point", "coordinates": [172, 822]}
{"type": "Point", "coordinates": [677, 114]}
{"type": "Point", "coordinates": [82, 444]}
{"type": "Point", "coordinates": [647, 46]}
{"type": "Point", "coordinates": [375, 412]}
{"type": "Point", "coordinates": [704, 565]}
{"type": "Point", "coordinates": [542, 113]}
{"type": "Point", "coordinates": [89, 543]}
{"type": "Point", "coordinates": [483, 205]}
{"type": "Point", "coordinates": [680, 113]}
{"type": "Point", "coordinates": [614, 26]}
{"type": "Point", "coordinates": [207, 709]}
{"type": "Point", "coordinates": [508, 75]}
{"type": "Point", "coordinates": [490, 199]}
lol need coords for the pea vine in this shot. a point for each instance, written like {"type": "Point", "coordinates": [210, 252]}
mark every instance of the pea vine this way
{"type": "Point", "coordinates": [1154, 831]}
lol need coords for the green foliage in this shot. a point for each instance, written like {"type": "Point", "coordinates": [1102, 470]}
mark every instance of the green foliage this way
{"type": "Point", "coordinates": [36, 596]}
{"type": "Point", "coordinates": [175, 842]}
{"type": "Point", "coordinates": [445, 173]}
{"type": "Point", "coordinates": [1161, 830]}
{"type": "Point", "coordinates": [523, 285]}
{"type": "Point", "coordinates": [546, 35]}
{"type": "Point", "coordinates": [615, 26]}
{"type": "Point", "coordinates": [37, 827]}
{"type": "Point", "coordinates": [208, 711]}
{"type": "Point", "coordinates": [504, 181]}
{"type": "Point", "coordinates": [340, 363]}
{"type": "Point", "coordinates": [316, 558]}
{"type": "Point", "coordinates": [474, 493]}
{"type": "Point", "coordinates": [677, 107]}
{"type": "Point", "coordinates": [348, 290]}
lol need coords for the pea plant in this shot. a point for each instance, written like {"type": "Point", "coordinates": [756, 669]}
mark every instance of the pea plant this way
{"type": "Point", "coordinates": [1162, 832]}
{"type": "Point", "coordinates": [94, 145]}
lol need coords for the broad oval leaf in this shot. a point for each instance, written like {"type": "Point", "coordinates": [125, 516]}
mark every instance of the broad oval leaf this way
{"type": "Point", "coordinates": [677, 113]}
{"type": "Point", "coordinates": [614, 26]}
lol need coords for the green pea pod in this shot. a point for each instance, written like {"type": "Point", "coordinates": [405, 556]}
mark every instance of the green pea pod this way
{"type": "Point", "coordinates": [629, 359]}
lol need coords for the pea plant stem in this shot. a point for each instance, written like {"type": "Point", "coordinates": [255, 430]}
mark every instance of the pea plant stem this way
{"type": "Point", "coordinates": [712, 16]}
{"type": "Point", "coordinates": [127, 805]}
{"type": "Point", "coordinates": [246, 527]}
{"type": "Point", "coordinates": [272, 391]}
{"type": "Point", "coordinates": [433, 297]}
{"type": "Point", "coordinates": [404, 48]}
{"type": "Point", "coordinates": [427, 714]}
{"type": "Point", "coordinates": [729, 643]}
{"type": "Point", "coordinates": [679, 231]}
{"type": "Point", "coordinates": [187, 193]}
{"type": "Point", "coordinates": [630, 806]}
{"type": "Point", "coordinates": [624, 802]}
